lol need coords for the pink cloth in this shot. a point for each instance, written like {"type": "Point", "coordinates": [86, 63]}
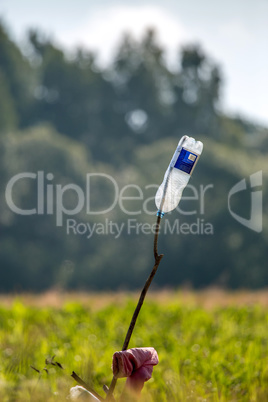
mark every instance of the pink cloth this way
{"type": "Point", "coordinates": [136, 364]}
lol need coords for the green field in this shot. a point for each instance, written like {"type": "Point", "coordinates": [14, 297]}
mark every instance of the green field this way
{"type": "Point", "coordinates": [212, 346]}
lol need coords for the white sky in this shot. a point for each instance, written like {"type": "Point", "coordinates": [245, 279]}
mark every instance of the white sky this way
{"type": "Point", "coordinates": [234, 33]}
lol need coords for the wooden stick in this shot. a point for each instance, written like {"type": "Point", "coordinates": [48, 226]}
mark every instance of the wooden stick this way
{"type": "Point", "coordinates": [157, 259]}
{"type": "Point", "coordinates": [86, 386]}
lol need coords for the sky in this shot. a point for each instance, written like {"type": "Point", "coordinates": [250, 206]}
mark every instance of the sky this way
{"type": "Point", "coordinates": [233, 33]}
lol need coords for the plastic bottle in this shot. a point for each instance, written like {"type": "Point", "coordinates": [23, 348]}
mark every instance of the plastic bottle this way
{"type": "Point", "coordinates": [178, 174]}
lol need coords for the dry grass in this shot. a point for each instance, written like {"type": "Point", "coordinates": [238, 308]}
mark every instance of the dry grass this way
{"type": "Point", "coordinates": [207, 299]}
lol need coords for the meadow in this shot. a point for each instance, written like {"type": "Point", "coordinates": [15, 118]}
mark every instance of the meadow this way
{"type": "Point", "coordinates": [212, 345]}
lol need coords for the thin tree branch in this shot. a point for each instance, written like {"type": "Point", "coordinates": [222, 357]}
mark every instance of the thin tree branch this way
{"type": "Point", "coordinates": [157, 259]}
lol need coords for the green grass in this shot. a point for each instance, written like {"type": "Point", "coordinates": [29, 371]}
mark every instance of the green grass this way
{"type": "Point", "coordinates": [215, 354]}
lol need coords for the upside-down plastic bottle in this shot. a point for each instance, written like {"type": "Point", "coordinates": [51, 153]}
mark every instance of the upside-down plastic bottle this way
{"type": "Point", "coordinates": [178, 174]}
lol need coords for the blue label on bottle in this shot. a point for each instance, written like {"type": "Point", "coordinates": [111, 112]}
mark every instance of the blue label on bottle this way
{"type": "Point", "coordinates": [186, 161]}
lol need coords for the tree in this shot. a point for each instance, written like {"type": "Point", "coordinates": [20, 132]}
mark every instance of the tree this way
{"type": "Point", "coordinates": [8, 116]}
{"type": "Point", "coordinates": [198, 89]}
{"type": "Point", "coordinates": [18, 80]}
{"type": "Point", "coordinates": [72, 95]}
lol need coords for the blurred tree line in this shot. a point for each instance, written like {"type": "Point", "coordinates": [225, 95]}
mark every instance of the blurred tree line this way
{"type": "Point", "coordinates": [62, 114]}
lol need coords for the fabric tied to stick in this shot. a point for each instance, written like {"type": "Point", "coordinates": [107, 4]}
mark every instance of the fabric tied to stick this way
{"type": "Point", "coordinates": [136, 364]}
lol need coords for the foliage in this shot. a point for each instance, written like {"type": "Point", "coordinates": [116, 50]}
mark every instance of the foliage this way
{"type": "Point", "coordinates": [213, 355]}
{"type": "Point", "coordinates": [17, 88]}
{"type": "Point", "coordinates": [62, 114]}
